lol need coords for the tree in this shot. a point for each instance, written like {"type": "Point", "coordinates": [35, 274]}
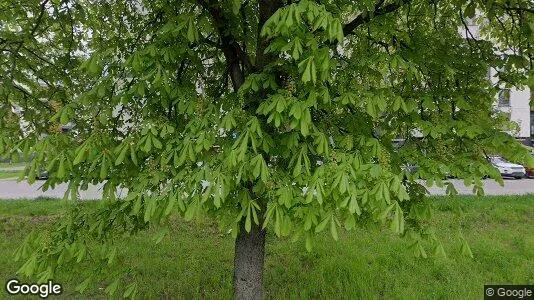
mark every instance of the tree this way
{"type": "Point", "coordinates": [264, 115]}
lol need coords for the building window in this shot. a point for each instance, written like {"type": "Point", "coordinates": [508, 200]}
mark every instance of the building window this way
{"type": "Point", "coordinates": [504, 98]}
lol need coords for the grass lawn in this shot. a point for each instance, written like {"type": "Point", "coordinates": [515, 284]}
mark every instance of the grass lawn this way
{"type": "Point", "coordinates": [195, 260]}
{"type": "Point", "coordinates": [9, 174]}
{"type": "Point", "coordinates": [13, 165]}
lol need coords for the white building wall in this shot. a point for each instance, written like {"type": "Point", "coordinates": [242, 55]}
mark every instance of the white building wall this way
{"type": "Point", "coordinates": [520, 110]}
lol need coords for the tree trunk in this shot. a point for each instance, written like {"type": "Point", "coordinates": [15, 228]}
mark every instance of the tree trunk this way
{"type": "Point", "coordinates": [248, 262]}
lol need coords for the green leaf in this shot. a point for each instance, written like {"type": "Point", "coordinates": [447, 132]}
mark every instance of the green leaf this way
{"type": "Point", "coordinates": [80, 156]}
{"type": "Point", "coordinates": [298, 167]}
{"type": "Point", "coordinates": [112, 288]}
{"type": "Point", "coordinates": [131, 291]}
{"type": "Point", "coordinates": [353, 205]}
{"type": "Point", "coordinates": [112, 255]}
{"type": "Point", "coordinates": [256, 162]}
{"type": "Point", "coordinates": [170, 205]}
{"type": "Point", "coordinates": [386, 212]}
{"type": "Point", "coordinates": [248, 223]}
{"type": "Point", "coordinates": [236, 5]}
{"type": "Point", "coordinates": [333, 229]}
{"type": "Point", "coordinates": [122, 155]}
{"type": "Point", "coordinates": [320, 22]}
{"type": "Point", "coordinates": [339, 31]}
{"type": "Point", "coordinates": [190, 212]}
{"type": "Point", "coordinates": [309, 241]}
{"type": "Point", "coordinates": [81, 253]}
{"type": "Point", "coordinates": [133, 155]}
{"type": "Point", "coordinates": [192, 32]}
{"type": "Point", "coordinates": [439, 251]}
{"type": "Point", "coordinates": [306, 75]}
{"type": "Point", "coordinates": [61, 168]}
{"type": "Point", "coordinates": [160, 235]}
{"type": "Point", "coordinates": [156, 143]}
{"type": "Point", "coordinates": [310, 73]}
{"type": "Point", "coordinates": [397, 224]}
{"type": "Point", "coordinates": [253, 208]}
{"type": "Point", "coordinates": [268, 215]}
{"type": "Point", "coordinates": [103, 168]}
{"type": "Point", "coordinates": [375, 171]}
{"type": "Point", "coordinates": [350, 222]}
{"type": "Point", "coordinates": [83, 285]}
{"type": "Point", "coordinates": [419, 250]}
{"type": "Point", "coordinates": [149, 209]}
{"type": "Point", "coordinates": [313, 71]}
{"type": "Point", "coordinates": [321, 226]}
{"type": "Point", "coordinates": [280, 104]}
{"type": "Point", "coordinates": [465, 249]}
{"type": "Point", "coordinates": [289, 13]}
{"type": "Point", "coordinates": [470, 10]}
{"type": "Point", "coordinates": [297, 49]}
{"type": "Point", "coordinates": [64, 119]}
{"type": "Point", "coordinates": [450, 189]}
{"type": "Point", "coordinates": [93, 66]}
{"type": "Point", "coordinates": [148, 144]}
{"type": "Point", "coordinates": [137, 206]}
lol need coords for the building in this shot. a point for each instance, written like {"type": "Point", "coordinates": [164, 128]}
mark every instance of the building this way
{"type": "Point", "coordinates": [513, 102]}
{"type": "Point", "coordinates": [516, 104]}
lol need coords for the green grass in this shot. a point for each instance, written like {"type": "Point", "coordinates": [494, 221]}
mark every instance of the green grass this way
{"type": "Point", "coordinates": [195, 260]}
{"type": "Point", "coordinates": [9, 174]}
{"type": "Point", "coordinates": [13, 165]}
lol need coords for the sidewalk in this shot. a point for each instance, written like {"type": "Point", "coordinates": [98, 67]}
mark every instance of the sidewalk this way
{"type": "Point", "coordinates": [11, 189]}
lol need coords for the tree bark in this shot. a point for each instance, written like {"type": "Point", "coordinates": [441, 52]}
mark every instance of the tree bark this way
{"type": "Point", "coordinates": [248, 262]}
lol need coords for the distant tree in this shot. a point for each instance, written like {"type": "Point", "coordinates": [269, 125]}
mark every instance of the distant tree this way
{"type": "Point", "coordinates": [264, 115]}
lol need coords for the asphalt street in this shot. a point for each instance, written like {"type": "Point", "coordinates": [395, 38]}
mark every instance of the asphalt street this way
{"type": "Point", "coordinates": [491, 187]}
{"type": "Point", "coordinates": [11, 189]}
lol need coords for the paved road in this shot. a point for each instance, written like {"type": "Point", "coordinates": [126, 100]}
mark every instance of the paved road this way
{"type": "Point", "coordinates": [11, 189]}
{"type": "Point", "coordinates": [491, 187]}
{"type": "Point", "coordinates": [10, 169]}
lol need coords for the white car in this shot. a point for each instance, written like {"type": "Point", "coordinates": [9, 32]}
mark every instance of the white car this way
{"type": "Point", "coordinates": [508, 169]}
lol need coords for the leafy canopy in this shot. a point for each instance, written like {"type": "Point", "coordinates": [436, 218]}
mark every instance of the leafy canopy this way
{"type": "Point", "coordinates": [277, 114]}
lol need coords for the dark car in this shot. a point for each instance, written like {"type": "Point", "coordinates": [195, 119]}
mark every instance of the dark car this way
{"type": "Point", "coordinates": [42, 174]}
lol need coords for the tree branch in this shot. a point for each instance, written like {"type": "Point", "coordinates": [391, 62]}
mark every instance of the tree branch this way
{"type": "Point", "coordinates": [39, 18]}
{"type": "Point", "coordinates": [365, 17]}
{"type": "Point", "coordinates": [266, 9]}
{"type": "Point", "coordinates": [232, 50]}
{"type": "Point", "coordinates": [517, 9]}
{"type": "Point", "coordinates": [37, 55]}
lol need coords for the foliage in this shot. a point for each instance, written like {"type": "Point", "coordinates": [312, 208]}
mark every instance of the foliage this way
{"type": "Point", "coordinates": [277, 114]}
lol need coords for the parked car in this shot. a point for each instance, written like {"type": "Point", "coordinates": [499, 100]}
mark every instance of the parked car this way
{"type": "Point", "coordinates": [506, 168]}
